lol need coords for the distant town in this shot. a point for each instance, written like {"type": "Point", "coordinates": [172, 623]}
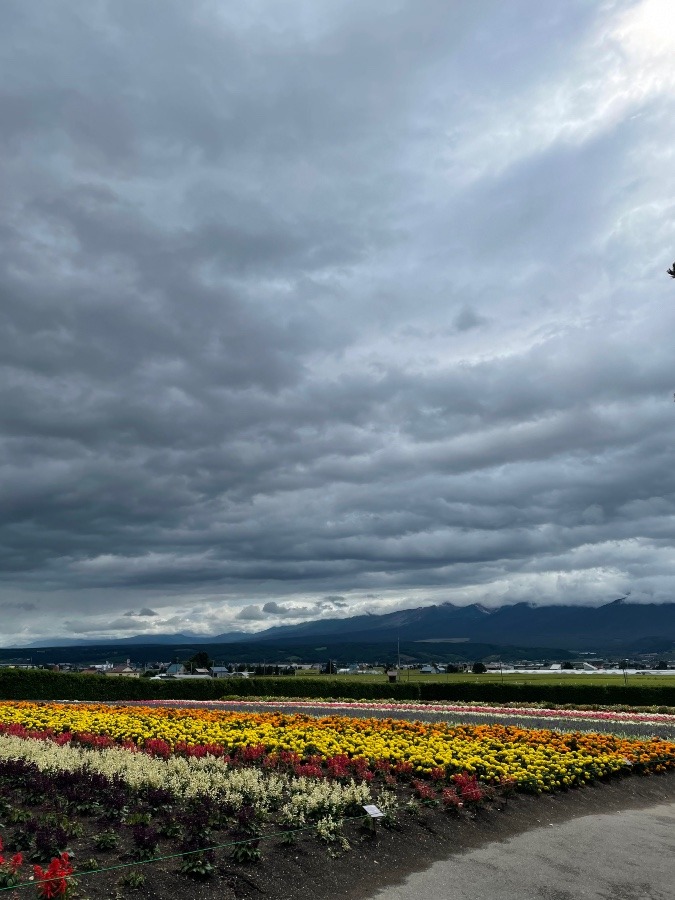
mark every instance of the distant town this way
{"type": "Point", "coordinates": [199, 668]}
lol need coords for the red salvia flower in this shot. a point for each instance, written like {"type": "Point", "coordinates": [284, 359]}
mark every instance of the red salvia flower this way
{"type": "Point", "coordinates": [54, 881]}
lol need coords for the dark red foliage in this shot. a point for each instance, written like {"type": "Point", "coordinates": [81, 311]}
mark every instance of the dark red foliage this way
{"type": "Point", "coordinates": [468, 787]}
{"type": "Point", "coordinates": [451, 799]}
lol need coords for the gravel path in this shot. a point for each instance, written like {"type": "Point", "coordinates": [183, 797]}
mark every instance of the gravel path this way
{"type": "Point", "coordinates": [625, 855]}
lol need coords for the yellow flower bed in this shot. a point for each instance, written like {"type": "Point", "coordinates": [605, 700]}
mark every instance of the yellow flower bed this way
{"type": "Point", "coordinates": [539, 760]}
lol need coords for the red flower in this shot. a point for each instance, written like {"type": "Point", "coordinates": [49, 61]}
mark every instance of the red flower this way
{"type": "Point", "coordinates": [54, 882]}
{"type": "Point", "coordinates": [451, 799]}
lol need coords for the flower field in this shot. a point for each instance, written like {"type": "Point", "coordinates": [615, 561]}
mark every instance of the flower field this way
{"type": "Point", "coordinates": [624, 722]}
{"type": "Point", "coordinates": [597, 714]}
{"type": "Point", "coordinates": [340, 746]}
{"type": "Point", "coordinates": [188, 783]}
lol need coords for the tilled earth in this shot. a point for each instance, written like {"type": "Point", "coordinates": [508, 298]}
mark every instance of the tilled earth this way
{"type": "Point", "coordinates": [373, 860]}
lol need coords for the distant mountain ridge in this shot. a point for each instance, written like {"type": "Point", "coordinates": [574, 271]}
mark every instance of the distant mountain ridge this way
{"type": "Point", "coordinates": [614, 624]}
{"type": "Point", "coordinates": [618, 624]}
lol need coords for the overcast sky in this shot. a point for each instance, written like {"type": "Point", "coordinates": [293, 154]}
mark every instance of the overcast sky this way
{"type": "Point", "coordinates": [324, 306]}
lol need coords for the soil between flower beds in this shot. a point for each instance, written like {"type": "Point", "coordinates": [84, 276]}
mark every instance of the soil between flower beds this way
{"type": "Point", "coordinates": [311, 869]}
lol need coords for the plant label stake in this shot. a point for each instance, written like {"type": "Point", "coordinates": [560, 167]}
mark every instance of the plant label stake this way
{"type": "Point", "coordinates": [373, 815]}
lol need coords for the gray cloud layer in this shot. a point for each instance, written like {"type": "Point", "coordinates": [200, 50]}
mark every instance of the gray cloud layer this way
{"type": "Point", "coordinates": [311, 308]}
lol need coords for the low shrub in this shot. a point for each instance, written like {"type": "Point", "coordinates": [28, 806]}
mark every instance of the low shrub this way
{"type": "Point", "coordinates": [41, 684]}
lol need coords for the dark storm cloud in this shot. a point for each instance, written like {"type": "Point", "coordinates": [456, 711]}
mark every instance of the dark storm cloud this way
{"type": "Point", "coordinates": [316, 309]}
{"type": "Point", "coordinates": [251, 613]}
{"type": "Point", "coordinates": [332, 603]}
{"type": "Point", "coordinates": [10, 607]}
{"type": "Point", "coordinates": [272, 608]}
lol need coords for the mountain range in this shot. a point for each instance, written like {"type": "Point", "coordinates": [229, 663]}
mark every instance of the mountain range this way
{"type": "Point", "coordinates": [619, 625]}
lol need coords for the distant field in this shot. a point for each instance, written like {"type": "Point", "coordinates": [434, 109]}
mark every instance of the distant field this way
{"type": "Point", "coordinates": [512, 678]}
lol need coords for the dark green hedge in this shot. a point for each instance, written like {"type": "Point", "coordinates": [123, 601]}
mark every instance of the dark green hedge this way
{"type": "Point", "coordinates": [487, 691]}
{"type": "Point", "coordinates": [581, 694]}
{"type": "Point", "coordinates": [39, 684]}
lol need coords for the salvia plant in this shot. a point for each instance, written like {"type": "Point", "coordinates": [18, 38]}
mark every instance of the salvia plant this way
{"type": "Point", "coordinates": [22, 839]}
{"type": "Point", "coordinates": [133, 879]}
{"type": "Point", "coordinates": [145, 839]}
{"type": "Point", "coordinates": [106, 840]}
{"type": "Point", "coordinates": [50, 841]}
{"type": "Point", "coordinates": [89, 865]}
{"type": "Point", "coordinates": [9, 869]}
{"type": "Point", "coordinates": [56, 880]}
{"type": "Point", "coordinates": [246, 835]}
{"type": "Point", "coordinates": [137, 818]}
{"type": "Point", "coordinates": [170, 828]}
{"type": "Point", "coordinates": [198, 865]}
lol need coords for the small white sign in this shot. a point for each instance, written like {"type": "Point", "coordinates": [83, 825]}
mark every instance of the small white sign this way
{"type": "Point", "coordinates": [374, 812]}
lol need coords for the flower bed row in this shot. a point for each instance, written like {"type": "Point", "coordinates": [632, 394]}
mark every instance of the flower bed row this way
{"type": "Point", "coordinates": [232, 782]}
{"type": "Point", "coordinates": [613, 721]}
{"type": "Point", "coordinates": [341, 747]}
{"type": "Point", "coordinates": [141, 807]}
{"type": "Point", "coordinates": [451, 709]}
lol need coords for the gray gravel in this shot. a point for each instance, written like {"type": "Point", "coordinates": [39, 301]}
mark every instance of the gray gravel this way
{"type": "Point", "coordinates": [627, 855]}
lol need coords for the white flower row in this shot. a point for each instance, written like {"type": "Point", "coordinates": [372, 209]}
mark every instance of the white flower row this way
{"type": "Point", "coordinates": [558, 720]}
{"type": "Point", "coordinates": [185, 778]}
